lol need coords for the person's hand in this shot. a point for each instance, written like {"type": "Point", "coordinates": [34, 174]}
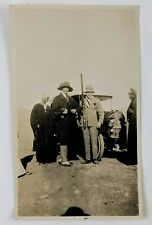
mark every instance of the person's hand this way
{"type": "Point", "coordinates": [73, 111]}
{"type": "Point", "coordinates": [65, 111]}
{"type": "Point", "coordinates": [79, 124]}
{"type": "Point", "coordinates": [98, 125]}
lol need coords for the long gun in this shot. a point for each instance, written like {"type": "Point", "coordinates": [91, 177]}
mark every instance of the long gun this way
{"type": "Point", "coordinates": [82, 104]}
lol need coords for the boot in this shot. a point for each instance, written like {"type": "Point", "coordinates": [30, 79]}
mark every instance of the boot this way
{"type": "Point", "coordinates": [63, 155]}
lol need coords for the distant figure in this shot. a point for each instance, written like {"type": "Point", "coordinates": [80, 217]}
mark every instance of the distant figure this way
{"type": "Point", "coordinates": [64, 108]}
{"type": "Point", "coordinates": [132, 129]}
{"type": "Point", "coordinates": [39, 120]}
{"type": "Point", "coordinates": [94, 116]}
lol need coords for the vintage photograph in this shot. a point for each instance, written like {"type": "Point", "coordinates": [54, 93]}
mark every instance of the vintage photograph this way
{"type": "Point", "coordinates": [76, 100]}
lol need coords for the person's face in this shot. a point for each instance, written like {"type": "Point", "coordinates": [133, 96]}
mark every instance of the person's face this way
{"type": "Point", "coordinates": [45, 100]}
{"type": "Point", "coordinates": [89, 94]}
{"type": "Point", "coordinates": [65, 90]}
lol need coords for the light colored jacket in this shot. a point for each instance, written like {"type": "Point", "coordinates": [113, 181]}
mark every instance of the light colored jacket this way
{"type": "Point", "coordinates": [93, 111]}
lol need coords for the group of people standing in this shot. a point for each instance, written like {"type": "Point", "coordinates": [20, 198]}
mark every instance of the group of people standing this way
{"type": "Point", "coordinates": [54, 125]}
{"type": "Point", "coordinates": [58, 121]}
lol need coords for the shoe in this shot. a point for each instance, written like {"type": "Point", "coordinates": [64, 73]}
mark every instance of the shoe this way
{"type": "Point", "coordinates": [95, 161]}
{"type": "Point", "coordinates": [28, 173]}
{"type": "Point", "coordinates": [67, 164]}
{"type": "Point", "coordinates": [86, 162]}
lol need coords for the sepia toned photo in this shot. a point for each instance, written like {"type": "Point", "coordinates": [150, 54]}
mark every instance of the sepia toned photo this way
{"type": "Point", "coordinates": [76, 103]}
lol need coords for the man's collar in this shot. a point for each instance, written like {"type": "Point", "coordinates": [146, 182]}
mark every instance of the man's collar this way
{"type": "Point", "coordinates": [90, 97]}
{"type": "Point", "coordinates": [64, 94]}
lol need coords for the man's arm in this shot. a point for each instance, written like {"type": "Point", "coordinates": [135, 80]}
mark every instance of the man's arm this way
{"type": "Point", "coordinates": [34, 120]}
{"type": "Point", "coordinates": [100, 112]}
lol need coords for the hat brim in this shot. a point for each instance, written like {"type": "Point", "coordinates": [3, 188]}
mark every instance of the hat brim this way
{"type": "Point", "coordinates": [70, 88]}
{"type": "Point", "coordinates": [89, 92]}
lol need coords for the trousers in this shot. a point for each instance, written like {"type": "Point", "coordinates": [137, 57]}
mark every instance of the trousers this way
{"type": "Point", "coordinates": [90, 141]}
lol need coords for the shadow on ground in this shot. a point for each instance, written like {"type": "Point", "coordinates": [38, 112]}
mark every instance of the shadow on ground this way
{"type": "Point", "coordinates": [121, 157]}
{"type": "Point", "coordinates": [74, 211]}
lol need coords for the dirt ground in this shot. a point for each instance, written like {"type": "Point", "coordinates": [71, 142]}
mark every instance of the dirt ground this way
{"type": "Point", "coordinates": [107, 189]}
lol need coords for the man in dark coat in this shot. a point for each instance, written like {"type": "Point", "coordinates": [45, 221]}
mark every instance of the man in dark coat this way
{"type": "Point", "coordinates": [65, 113]}
{"type": "Point", "coordinates": [132, 129]}
{"type": "Point", "coordinates": [39, 120]}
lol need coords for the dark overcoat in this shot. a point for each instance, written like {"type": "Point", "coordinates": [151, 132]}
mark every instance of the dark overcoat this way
{"type": "Point", "coordinates": [132, 132]}
{"type": "Point", "coordinates": [65, 123]}
{"type": "Point", "coordinates": [40, 123]}
{"type": "Point", "coordinates": [38, 119]}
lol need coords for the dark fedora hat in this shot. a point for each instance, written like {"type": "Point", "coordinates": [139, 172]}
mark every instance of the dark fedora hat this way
{"type": "Point", "coordinates": [65, 84]}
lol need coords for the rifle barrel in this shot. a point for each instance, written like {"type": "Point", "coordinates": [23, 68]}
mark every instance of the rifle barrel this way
{"type": "Point", "coordinates": [82, 97]}
{"type": "Point", "coordinates": [82, 104]}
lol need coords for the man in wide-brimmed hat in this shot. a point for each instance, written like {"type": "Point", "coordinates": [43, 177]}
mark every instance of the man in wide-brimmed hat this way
{"type": "Point", "coordinates": [66, 85]}
{"type": "Point", "coordinates": [65, 111]}
{"type": "Point", "coordinates": [94, 116]}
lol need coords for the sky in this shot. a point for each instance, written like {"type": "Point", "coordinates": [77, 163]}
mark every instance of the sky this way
{"type": "Point", "coordinates": [52, 45]}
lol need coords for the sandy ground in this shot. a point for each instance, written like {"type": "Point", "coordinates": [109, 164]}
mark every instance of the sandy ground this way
{"type": "Point", "coordinates": [107, 189]}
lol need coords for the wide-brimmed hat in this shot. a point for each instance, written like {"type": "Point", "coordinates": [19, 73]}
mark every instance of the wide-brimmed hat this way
{"type": "Point", "coordinates": [89, 89]}
{"type": "Point", "coordinates": [65, 84]}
